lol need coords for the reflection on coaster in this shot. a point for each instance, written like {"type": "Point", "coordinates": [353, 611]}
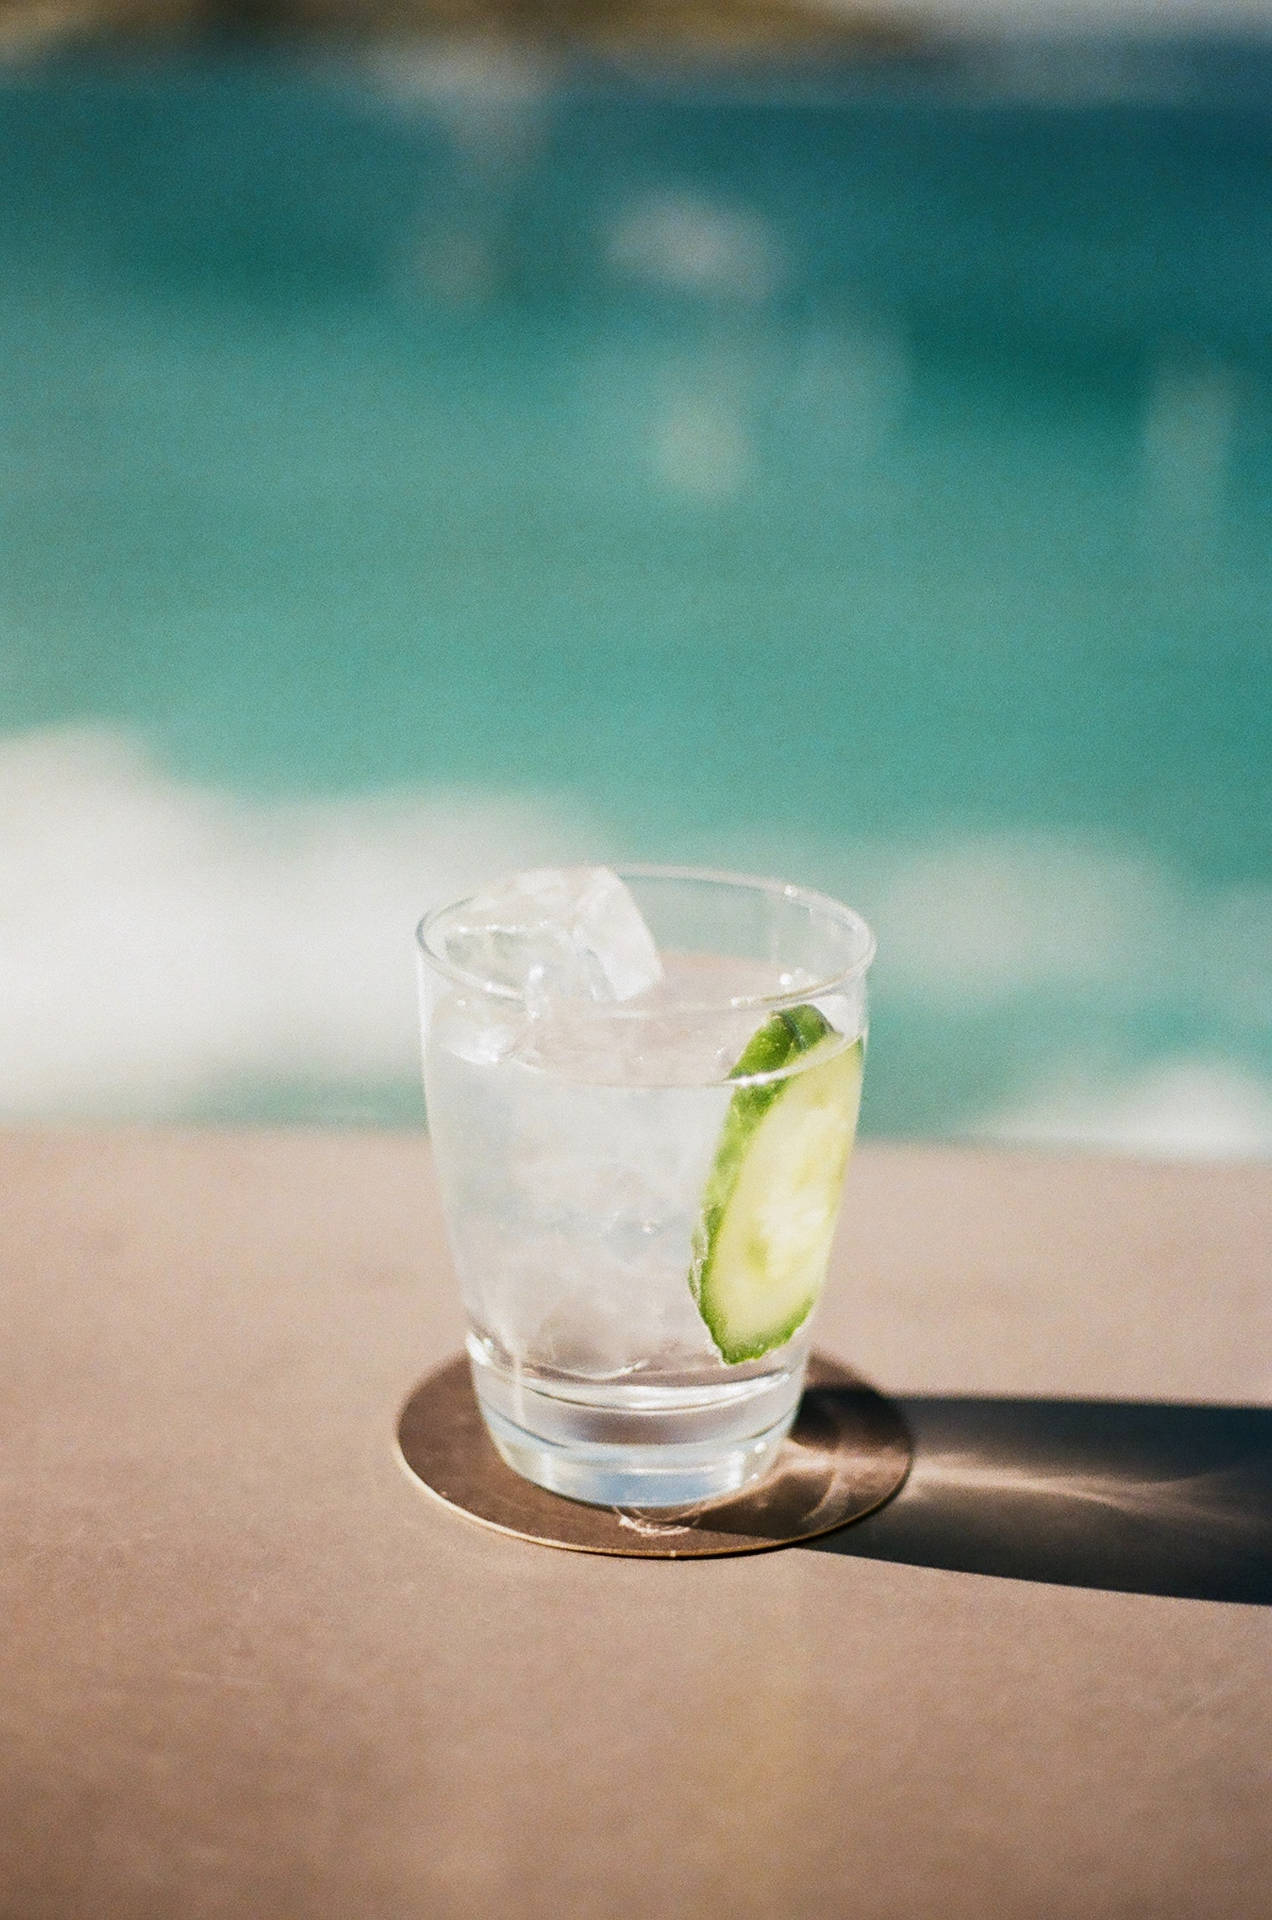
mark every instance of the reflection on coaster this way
{"type": "Point", "coordinates": [847, 1453]}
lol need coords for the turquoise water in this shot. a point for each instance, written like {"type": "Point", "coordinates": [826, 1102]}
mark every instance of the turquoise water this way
{"type": "Point", "coordinates": [412, 464]}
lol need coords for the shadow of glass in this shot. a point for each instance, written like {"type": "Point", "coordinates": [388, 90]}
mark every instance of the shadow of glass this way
{"type": "Point", "coordinates": [1127, 1497]}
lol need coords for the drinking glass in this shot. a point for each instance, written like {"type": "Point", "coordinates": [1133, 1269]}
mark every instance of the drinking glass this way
{"type": "Point", "coordinates": [640, 1194]}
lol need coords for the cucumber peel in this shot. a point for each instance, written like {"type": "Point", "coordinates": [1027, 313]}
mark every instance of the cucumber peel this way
{"type": "Point", "coordinates": [772, 1197]}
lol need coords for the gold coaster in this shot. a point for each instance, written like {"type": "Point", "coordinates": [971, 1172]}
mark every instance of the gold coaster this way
{"type": "Point", "coordinates": [847, 1453]}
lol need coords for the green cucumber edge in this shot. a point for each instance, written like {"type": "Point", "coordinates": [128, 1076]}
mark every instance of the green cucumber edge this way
{"type": "Point", "coordinates": [789, 1033]}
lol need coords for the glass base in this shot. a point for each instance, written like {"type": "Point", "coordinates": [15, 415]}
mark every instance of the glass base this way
{"type": "Point", "coordinates": [626, 1445]}
{"type": "Point", "coordinates": [848, 1452]}
{"type": "Point", "coordinates": [628, 1476]}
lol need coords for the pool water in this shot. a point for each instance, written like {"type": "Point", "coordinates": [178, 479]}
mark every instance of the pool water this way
{"type": "Point", "coordinates": [417, 463]}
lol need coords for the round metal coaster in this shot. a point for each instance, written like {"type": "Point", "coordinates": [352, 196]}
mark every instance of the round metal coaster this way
{"type": "Point", "coordinates": [847, 1453]}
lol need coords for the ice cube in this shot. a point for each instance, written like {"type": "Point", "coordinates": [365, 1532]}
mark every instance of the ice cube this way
{"type": "Point", "coordinates": [467, 1029]}
{"type": "Point", "coordinates": [557, 933]}
{"type": "Point", "coordinates": [589, 1333]}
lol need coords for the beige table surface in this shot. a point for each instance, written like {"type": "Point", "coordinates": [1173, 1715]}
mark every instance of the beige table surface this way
{"type": "Point", "coordinates": [252, 1669]}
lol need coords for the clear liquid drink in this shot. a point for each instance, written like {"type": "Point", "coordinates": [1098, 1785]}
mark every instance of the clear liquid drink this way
{"type": "Point", "coordinates": [640, 1192]}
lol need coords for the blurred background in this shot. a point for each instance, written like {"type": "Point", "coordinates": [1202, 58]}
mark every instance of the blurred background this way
{"type": "Point", "coordinates": [438, 436]}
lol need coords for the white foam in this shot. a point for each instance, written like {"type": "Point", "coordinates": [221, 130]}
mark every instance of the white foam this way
{"type": "Point", "coordinates": [1187, 1108]}
{"type": "Point", "coordinates": [687, 243]}
{"type": "Point", "coordinates": [976, 923]}
{"type": "Point", "coordinates": [976, 920]}
{"type": "Point", "coordinates": [158, 940]}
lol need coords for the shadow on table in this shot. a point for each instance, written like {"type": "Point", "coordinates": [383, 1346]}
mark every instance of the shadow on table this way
{"type": "Point", "coordinates": [1128, 1497]}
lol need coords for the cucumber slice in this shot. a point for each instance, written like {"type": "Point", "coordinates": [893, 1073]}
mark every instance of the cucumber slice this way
{"type": "Point", "coordinates": [772, 1197]}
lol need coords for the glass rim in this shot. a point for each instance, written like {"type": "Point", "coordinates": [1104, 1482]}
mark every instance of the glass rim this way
{"type": "Point", "coordinates": [824, 904]}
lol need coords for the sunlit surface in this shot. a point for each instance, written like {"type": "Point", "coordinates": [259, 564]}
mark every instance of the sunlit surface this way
{"type": "Point", "coordinates": [423, 465]}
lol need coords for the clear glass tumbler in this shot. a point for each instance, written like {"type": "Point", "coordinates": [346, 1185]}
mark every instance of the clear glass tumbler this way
{"type": "Point", "coordinates": [640, 1195]}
